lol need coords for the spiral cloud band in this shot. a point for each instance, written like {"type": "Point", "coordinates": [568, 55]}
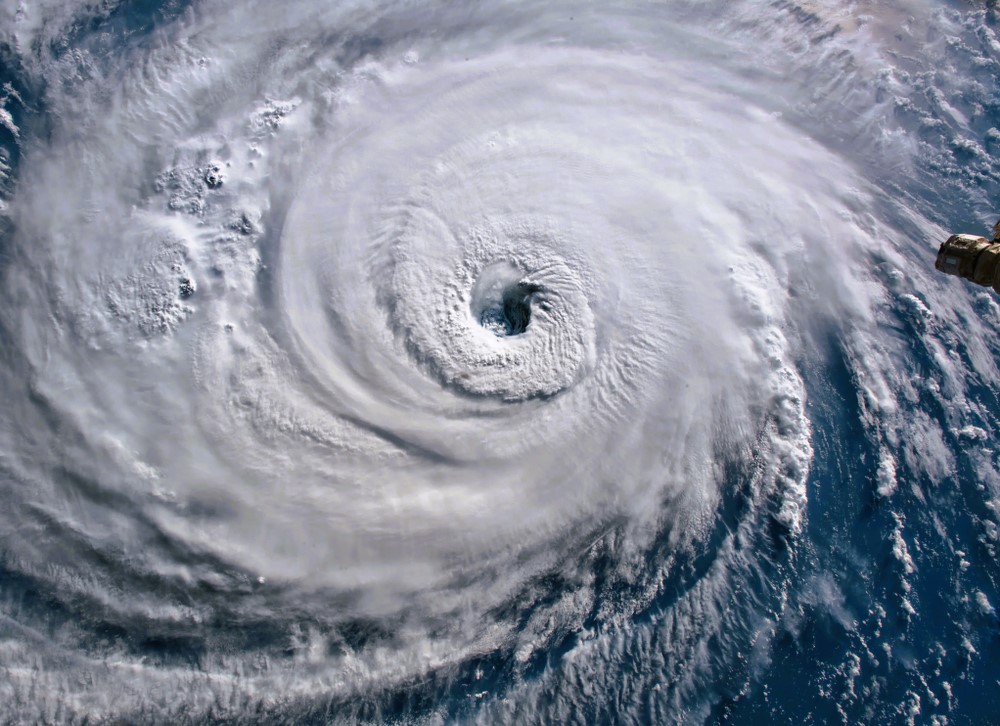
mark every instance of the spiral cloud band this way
{"type": "Point", "coordinates": [420, 361]}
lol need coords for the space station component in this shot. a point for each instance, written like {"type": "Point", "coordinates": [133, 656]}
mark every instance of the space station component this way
{"type": "Point", "coordinates": [972, 257]}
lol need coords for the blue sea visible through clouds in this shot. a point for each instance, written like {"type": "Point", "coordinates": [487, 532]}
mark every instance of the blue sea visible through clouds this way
{"type": "Point", "coordinates": [503, 362]}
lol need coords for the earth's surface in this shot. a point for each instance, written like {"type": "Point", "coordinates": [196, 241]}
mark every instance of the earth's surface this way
{"type": "Point", "coordinates": [529, 362]}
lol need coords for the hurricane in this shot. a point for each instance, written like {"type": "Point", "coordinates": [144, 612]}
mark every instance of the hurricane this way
{"type": "Point", "coordinates": [508, 362]}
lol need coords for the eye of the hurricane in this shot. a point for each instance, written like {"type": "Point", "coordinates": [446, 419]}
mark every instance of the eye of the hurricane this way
{"type": "Point", "coordinates": [501, 300]}
{"type": "Point", "coordinates": [512, 313]}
